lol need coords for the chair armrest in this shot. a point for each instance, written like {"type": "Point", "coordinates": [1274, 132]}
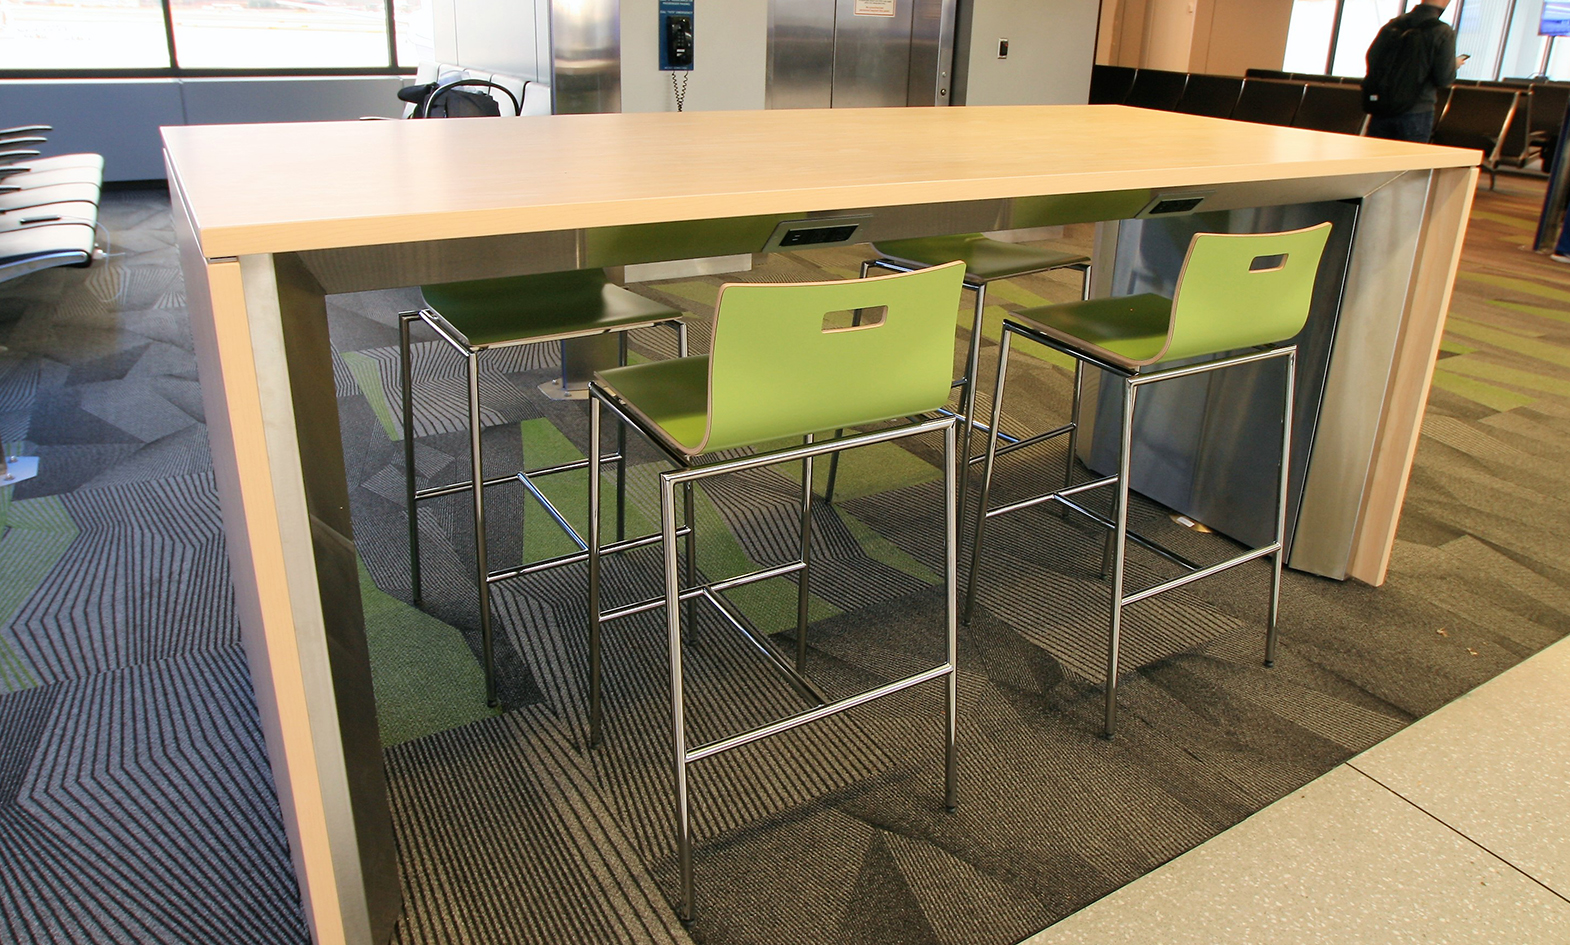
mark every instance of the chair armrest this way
{"type": "Point", "coordinates": [13, 171]}
{"type": "Point", "coordinates": [24, 129]}
{"type": "Point", "coordinates": [22, 141]}
{"type": "Point", "coordinates": [6, 157]}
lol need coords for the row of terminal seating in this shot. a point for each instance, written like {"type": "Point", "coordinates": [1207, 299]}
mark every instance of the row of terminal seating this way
{"type": "Point", "coordinates": [1511, 122]}
{"type": "Point", "coordinates": [48, 205]}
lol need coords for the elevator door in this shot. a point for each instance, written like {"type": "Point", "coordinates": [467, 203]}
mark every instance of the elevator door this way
{"type": "Point", "coordinates": [859, 53]}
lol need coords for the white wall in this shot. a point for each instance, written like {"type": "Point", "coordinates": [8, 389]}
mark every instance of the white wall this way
{"type": "Point", "coordinates": [1052, 45]}
{"type": "Point", "coordinates": [730, 57]}
{"type": "Point", "coordinates": [510, 36]}
{"type": "Point", "coordinates": [1169, 34]}
{"type": "Point", "coordinates": [120, 118]}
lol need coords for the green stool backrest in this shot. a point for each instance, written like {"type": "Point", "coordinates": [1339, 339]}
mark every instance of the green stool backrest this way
{"type": "Point", "coordinates": [1237, 290]}
{"type": "Point", "coordinates": [776, 371]}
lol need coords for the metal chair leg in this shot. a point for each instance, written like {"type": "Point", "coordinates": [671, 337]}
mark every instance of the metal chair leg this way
{"type": "Point", "coordinates": [678, 704]}
{"type": "Point", "coordinates": [481, 562]}
{"type": "Point", "coordinates": [950, 602]}
{"type": "Point", "coordinates": [968, 395]}
{"type": "Point", "coordinates": [803, 585]}
{"type": "Point", "coordinates": [406, 379]}
{"type": "Point", "coordinates": [1073, 425]}
{"type": "Point", "coordinates": [1277, 559]}
{"type": "Point", "coordinates": [621, 455]}
{"type": "Point", "coordinates": [986, 472]}
{"type": "Point", "coordinates": [592, 539]}
{"type": "Point", "coordinates": [1120, 550]}
{"type": "Point", "coordinates": [689, 519]}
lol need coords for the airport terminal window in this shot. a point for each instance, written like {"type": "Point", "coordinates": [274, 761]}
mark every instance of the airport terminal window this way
{"type": "Point", "coordinates": [1500, 35]}
{"type": "Point", "coordinates": [132, 37]}
{"type": "Point", "coordinates": [92, 34]}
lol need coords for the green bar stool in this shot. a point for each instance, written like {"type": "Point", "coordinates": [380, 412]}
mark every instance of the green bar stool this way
{"type": "Point", "coordinates": [781, 369]}
{"type": "Point", "coordinates": [986, 261]}
{"type": "Point", "coordinates": [1238, 297]}
{"type": "Point", "coordinates": [497, 313]}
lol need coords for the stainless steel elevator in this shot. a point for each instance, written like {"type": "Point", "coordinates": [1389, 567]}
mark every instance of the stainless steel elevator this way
{"type": "Point", "coordinates": [860, 53]}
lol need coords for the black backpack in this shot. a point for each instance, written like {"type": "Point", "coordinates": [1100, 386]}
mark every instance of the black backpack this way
{"type": "Point", "coordinates": [449, 102]}
{"type": "Point", "coordinates": [1399, 64]}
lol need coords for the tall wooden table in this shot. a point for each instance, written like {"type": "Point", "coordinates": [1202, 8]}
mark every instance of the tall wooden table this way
{"type": "Point", "coordinates": [272, 218]}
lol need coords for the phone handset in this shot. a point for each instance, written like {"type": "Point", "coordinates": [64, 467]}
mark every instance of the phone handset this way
{"type": "Point", "coordinates": [678, 40]}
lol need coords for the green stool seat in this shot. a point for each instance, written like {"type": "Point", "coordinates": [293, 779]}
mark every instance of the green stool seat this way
{"type": "Point", "coordinates": [517, 310]}
{"type": "Point", "coordinates": [493, 313]}
{"type": "Point", "coordinates": [1239, 299]}
{"type": "Point", "coordinates": [779, 368]}
{"type": "Point", "coordinates": [985, 259]}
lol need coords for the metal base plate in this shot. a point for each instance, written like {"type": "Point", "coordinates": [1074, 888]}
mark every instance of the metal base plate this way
{"type": "Point", "coordinates": [19, 469]}
{"type": "Point", "coordinates": [556, 390]}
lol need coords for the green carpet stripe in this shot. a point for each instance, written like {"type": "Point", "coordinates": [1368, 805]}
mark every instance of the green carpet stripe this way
{"type": "Point", "coordinates": [1488, 371]}
{"type": "Point", "coordinates": [1494, 398]}
{"type": "Point", "coordinates": [1506, 219]}
{"type": "Point", "coordinates": [36, 534]}
{"type": "Point", "coordinates": [1014, 292]}
{"type": "Point", "coordinates": [1524, 286]}
{"type": "Point", "coordinates": [1532, 348]}
{"type": "Point", "coordinates": [425, 676]}
{"type": "Point", "coordinates": [992, 329]}
{"type": "Point", "coordinates": [365, 372]}
{"type": "Point", "coordinates": [1541, 311]}
{"type": "Point", "coordinates": [882, 550]}
{"type": "Point", "coordinates": [544, 445]}
{"type": "Point", "coordinates": [1455, 347]}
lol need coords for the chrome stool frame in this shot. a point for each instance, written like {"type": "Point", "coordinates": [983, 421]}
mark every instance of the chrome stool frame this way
{"type": "Point", "coordinates": [1118, 532]}
{"type": "Point", "coordinates": [820, 706]}
{"type": "Point", "coordinates": [484, 576]}
{"type": "Point", "coordinates": [966, 383]}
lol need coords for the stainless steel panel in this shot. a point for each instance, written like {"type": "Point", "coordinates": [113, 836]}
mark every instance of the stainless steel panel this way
{"type": "Point", "coordinates": [1378, 282]}
{"type": "Point", "coordinates": [585, 56]}
{"type": "Point", "coordinates": [871, 56]}
{"type": "Point", "coordinates": [931, 52]}
{"type": "Point", "coordinates": [801, 54]}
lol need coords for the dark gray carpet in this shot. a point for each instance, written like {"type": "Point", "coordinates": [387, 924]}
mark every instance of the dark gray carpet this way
{"type": "Point", "coordinates": [135, 798]}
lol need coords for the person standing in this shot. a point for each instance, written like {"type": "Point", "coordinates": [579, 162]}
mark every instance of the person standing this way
{"type": "Point", "coordinates": [1412, 58]}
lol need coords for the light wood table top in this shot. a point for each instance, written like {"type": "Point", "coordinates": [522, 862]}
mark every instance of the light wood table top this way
{"type": "Point", "coordinates": [293, 187]}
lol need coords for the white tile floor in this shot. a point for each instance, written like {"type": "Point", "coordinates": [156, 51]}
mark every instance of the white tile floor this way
{"type": "Point", "coordinates": [1454, 830]}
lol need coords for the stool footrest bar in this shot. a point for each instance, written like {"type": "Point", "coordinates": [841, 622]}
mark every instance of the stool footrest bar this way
{"type": "Point", "coordinates": [1133, 536]}
{"type": "Point", "coordinates": [655, 603]}
{"type": "Point", "coordinates": [577, 556]}
{"type": "Point", "coordinates": [812, 715]}
{"type": "Point", "coordinates": [1201, 573]}
{"type": "Point", "coordinates": [464, 485]}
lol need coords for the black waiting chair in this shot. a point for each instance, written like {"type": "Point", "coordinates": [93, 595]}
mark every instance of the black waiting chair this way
{"type": "Point", "coordinates": [1337, 108]}
{"type": "Point", "coordinates": [1156, 88]}
{"type": "Point", "coordinates": [1213, 96]}
{"type": "Point", "coordinates": [1268, 102]}
{"type": "Point", "coordinates": [1477, 118]}
{"type": "Point", "coordinates": [1266, 74]}
{"type": "Point", "coordinates": [1550, 100]}
{"type": "Point", "coordinates": [1109, 85]}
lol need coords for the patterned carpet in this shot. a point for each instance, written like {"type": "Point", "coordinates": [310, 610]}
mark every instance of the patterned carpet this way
{"type": "Point", "coordinates": [135, 800]}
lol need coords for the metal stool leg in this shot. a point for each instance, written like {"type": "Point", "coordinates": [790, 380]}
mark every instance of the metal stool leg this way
{"type": "Point", "coordinates": [406, 379]}
{"type": "Point", "coordinates": [689, 519]}
{"type": "Point", "coordinates": [1119, 554]}
{"type": "Point", "coordinates": [1276, 559]}
{"type": "Point", "coordinates": [592, 539]}
{"type": "Point", "coordinates": [986, 472]}
{"type": "Point", "coordinates": [950, 601]}
{"type": "Point", "coordinates": [621, 453]}
{"type": "Point", "coordinates": [802, 583]}
{"type": "Point", "coordinates": [968, 395]}
{"type": "Point", "coordinates": [481, 563]}
{"type": "Point", "coordinates": [1073, 426]}
{"type": "Point", "coordinates": [678, 703]}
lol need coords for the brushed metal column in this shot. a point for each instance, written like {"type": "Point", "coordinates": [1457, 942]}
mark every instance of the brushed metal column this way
{"type": "Point", "coordinates": [585, 56]}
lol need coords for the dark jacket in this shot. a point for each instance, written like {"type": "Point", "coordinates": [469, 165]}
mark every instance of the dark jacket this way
{"type": "Point", "coordinates": [1441, 49]}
